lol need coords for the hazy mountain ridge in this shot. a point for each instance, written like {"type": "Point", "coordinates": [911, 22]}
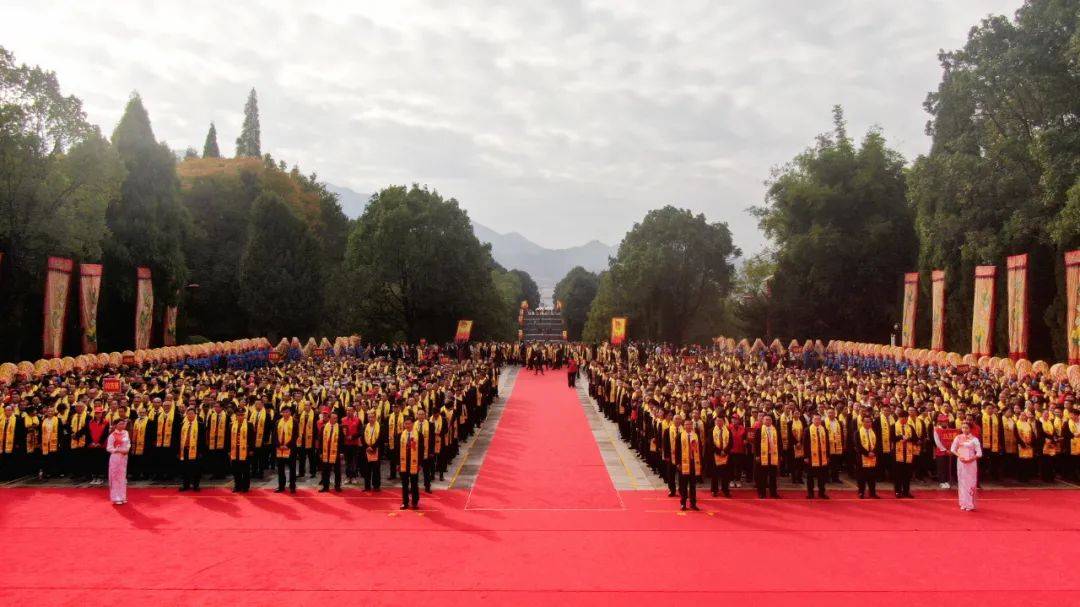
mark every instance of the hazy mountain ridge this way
{"type": "Point", "coordinates": [512, 250]}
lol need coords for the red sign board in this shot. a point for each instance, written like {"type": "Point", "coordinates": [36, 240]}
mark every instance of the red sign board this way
{"type": "Point", "coordinates": [111, 384]}
{"type": "Point", "coordinates": [274, 356]}
{"type": "Point", "coordinates": [320, 352]}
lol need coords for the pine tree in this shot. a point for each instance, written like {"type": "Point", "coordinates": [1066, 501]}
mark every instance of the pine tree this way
{"type": "Point", "coordinates": [248, 143]}
{"type": "Point", "coordinates": [210, 148]}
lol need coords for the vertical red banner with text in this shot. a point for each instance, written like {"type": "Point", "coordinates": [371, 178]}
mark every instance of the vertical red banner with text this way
{"type": "Point", "coordinates": [1016, 267]}
{"type": "Point", "coordinates": [937, 310]}
{"type": "Point", "coordinates": [618, 330]}
{"type": "Point", "coordinates": [171, 313]}
{"type": "Point", "coordinates": [982, 312]}
{"type": "Point", "coordinates": [1072, 298]}
{"type": "Point", "coordinates": [89, 294]}
{"type": "Point", "coordinates": [144, 308]}
{"type": "Point", "coordinates": [57, 285]}
{"type": "Point", "coordinates": [911, 299]}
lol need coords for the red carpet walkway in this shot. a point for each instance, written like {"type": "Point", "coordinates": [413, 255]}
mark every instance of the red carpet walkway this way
{"type": "Point", "coordinates": [543, 455]}
{"type": "Point", "coordinates": [72, 547]}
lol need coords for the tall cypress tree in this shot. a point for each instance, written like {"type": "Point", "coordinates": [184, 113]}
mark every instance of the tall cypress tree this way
{"type": "Point", "coordinates": [147, 223]}
{"type": "Point", "coordinates": [248, 143]}
{"type": "Point", "coordinates": [210, 148]}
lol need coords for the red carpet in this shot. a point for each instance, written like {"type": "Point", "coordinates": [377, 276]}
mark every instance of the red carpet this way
{"type": "Point", "coordinates": [543, 455]}
{"type": "Point", "coordinates": [72, 547]}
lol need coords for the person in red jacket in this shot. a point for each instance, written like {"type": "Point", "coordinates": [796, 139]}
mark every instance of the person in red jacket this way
{"type": "Point", "coordinates": [571, 373]}
{"type": "Point", "coordinates": [738, 450]}
{"type": "Point", "coordinates": [350, 428]}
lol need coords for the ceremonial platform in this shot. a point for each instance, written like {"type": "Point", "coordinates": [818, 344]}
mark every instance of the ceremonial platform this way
{"type": "Point", "coordinates": [544, 522]}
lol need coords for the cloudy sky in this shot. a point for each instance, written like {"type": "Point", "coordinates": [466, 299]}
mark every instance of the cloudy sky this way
{"type": "Point", "coordinates": [564, 121]}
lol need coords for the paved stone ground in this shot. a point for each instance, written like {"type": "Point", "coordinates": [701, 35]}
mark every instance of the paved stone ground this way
{"type": "Point", "coordinates": [460, 473]}
{"type": "Point", "coordinates": [627, 469]}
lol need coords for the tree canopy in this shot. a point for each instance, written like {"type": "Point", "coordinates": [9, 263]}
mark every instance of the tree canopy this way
{"type": "Point", "coordinates": [576, 291]}
{"type": "Point", "coordinates": [210, 146]}
{"type": "Point", "coordinates": [249, 143]}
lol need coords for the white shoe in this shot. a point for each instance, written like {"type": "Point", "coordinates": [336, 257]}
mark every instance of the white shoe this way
{"type": "Point", "coordinates": [947, 486]}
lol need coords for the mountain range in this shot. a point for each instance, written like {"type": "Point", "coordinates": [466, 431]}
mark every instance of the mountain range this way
{"type": "Point", "coordinates": [513, 251]}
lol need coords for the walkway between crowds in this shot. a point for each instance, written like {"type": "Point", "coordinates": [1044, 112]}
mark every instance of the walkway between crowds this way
{"type": "Point", "coordinates": [543, 455]}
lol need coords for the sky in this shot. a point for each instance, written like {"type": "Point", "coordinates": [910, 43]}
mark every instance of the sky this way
{"type": "Point", "coordinates": [562, 121]}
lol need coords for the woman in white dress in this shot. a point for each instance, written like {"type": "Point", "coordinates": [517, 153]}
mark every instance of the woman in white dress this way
{"type": "Point", "coordinates": [968, 450]}
{"type": "Point", "coordinates": [118, 445]}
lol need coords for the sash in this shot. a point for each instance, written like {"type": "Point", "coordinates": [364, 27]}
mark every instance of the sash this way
{"type": "Point", "coordinates": [769, 456]}
{"type": "Point", "coordinates": [189, 440]}
{"type": "Point", "coordinates": [284, 435]}
{"type": "Point", "coordinates": [869, 441]}
{"type": "Point", "coordinates": [371, 437]}
{"type": "Point", "coordinates": [238, 447]}
{"type": "Point", "coordinates": [409, 456]}
{"type": "Point", "coordinates": [819, 446]}
{"type": "Point", "coordinates": [138, 436]}
{"type": "Point", "coordinates": [330, 436]}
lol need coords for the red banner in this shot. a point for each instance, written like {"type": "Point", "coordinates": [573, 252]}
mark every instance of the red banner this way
{"type": "Point", "coordinates": [111, 384]}
{"type": "Point", "coordinates": [982, 312]}
{"type": "Point", "coordinates": [171, 312]}
{"type": "Point", "coordinates": [911, 298]}
{"type": "Point", "coordinates": [89, 293]}
{"type": "Point", "coordinates": [1072, 297]}
{"type": "Point", "coordinates": [464, 331]}
{"type": "Point", "coordinates": [618, 330]}
{"type": "Point", "coordinates": [57, 285]}
{"type": "Point", "coordinates": [1017, 300]}
{"type": "Point", "coordinates": [144, 308]}
{"type": "Point", "coordinates": [937, 309]}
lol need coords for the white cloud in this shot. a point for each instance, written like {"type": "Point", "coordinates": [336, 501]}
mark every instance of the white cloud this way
{"type": "Point", "coordinates": [564, 121]}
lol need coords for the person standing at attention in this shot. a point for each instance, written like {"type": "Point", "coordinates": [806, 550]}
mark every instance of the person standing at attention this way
{"type": "Point", "coordinates": [118, 446]}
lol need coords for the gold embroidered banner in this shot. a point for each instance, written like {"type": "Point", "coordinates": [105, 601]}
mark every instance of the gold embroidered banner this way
{"type": "Point", "coordinates": [1072, 293]}
{"type": "Point", "coordinates": [911, 298]}
{"type": "Point", "coordinates": [57, 285]}
{"type": "Point", "coordinates": [618, 330]}
{"type": "Point", "coordinates": [464, 330]}
{"type": "Point", "coordinates": [144, 308]}
{"type": "Point", "coordinates": [171, 312]}
{"type": "Point", "coordinates": [937, 308]}
{"type": "Point", "coordinates": [1016, 282]}
{"type": "Point", "coordinates": [89, 293]}
{"type": "Point", "coordinates": [982, 312]}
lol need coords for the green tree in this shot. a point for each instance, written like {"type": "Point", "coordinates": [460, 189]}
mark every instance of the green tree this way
{"type": "Point", "coordinates": [148, 227]}
{"type": "Point", "coordinates": [418, 268]}
{"type": "Point", "coordinates": [210, 146]}
{"type": "Point", "coordinates": [844, 234]}
{"type": "Point", "coordinates": [249, 142]}
{"type": "Point", "coordinates": [749, 301]}
{"type": "Point", "coordinates": [529, 291]}
{"type": "Point", "coordinates": [59, 175]}
{"type": "Point", "coordinates": [669, 275]}
{"type": "Point", "coordinates": [1002, 173]}
{"type": "Point", "coordinates": [576, 291]}
{"type": "Point", "coordinates": [279, 283]}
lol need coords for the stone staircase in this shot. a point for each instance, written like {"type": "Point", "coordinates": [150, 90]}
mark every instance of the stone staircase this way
{"type": "Point", "coordinates": [543, 325]}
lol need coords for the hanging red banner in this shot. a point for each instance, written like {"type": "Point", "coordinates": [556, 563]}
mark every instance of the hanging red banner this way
{"type": "Point", "coordinates": [982, 312]}
{"type": "Point", "coordinates": [911, 298]}
{"type": "Point", "coordinates": [618, 330]}
{"type": "Point", "coordinates": [937, 309]}
{"type": "Point", "coordinates": [1017, 300]}
{"type": "Point", "coordinates": [1072, 298]}
{"type": "Point", "coordinates": [57, 285]}
{"type": "Point", "coordinates": [89, 293]}
{"type": "Point", "coordinates": [464, 331]}
{"type": "Point", "coordinates": [171, 312]}
{"type": "Point", "coordinates": [144, 308]}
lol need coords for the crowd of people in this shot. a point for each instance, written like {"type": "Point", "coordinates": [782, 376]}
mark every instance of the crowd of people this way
{"type": "Point", "coordinates": [410, 406]}
{"type": "Point", "coordinates": [732, 416]}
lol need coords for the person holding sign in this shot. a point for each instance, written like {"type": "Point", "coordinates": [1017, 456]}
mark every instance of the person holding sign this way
{"type": "Point", "coordinates": [967, 449]}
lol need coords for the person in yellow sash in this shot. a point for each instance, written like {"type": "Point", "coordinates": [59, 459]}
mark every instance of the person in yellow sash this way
{"type": "Point", "coordinates": [409, 465]}
{"type": "Point", "coordinates": [816, 450]}
{"type": "Point", "coordinates": [1049, 436]}
{"type": "Point", "coordinates": [1070, 442]}
{"type": "Point", "coordinates": [767, 458]}
{"type": "Point", "coordinates": [721, 440]}
{"type": "Point", "coordinates": [241, 451]}
{"type": "Point", "coordinates": [76, 430]}
{"type": "Point", "coordinates": [12, 432]}
{"type": "Point", "coordinates": [50, 430]}
{"type": "Point", "coordinates": [1025, 447]}
{"type": "Point", "coordinates": [991, 435]}
{"type": "Point", "coordinates": [688, 463]}
{"type": "Point", "coordinates": [140, 446]}
{"type": "Point", "coordinates": [371, 441]}
{"type": "Point", "coordinates": [835, 428]}
{"type": "Point", "coordinates": [217, 436]}
{"type": "Point", "coordinates": [425, 433]}
{"type": "Point", "coordinates": [904, 445]}
{"type": "Point", "coordinates": [191, 446]}
{"type": "Point", "coordinates": [868, 449]}
{"type": "Point", "coordinates": [306, 452]}
{"type": "Point", "coordinates": [285, 450]}
{"type": "Point", "coordinates": [331, 451]}
{"type": "Point", "coordinates": [261, 420]}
